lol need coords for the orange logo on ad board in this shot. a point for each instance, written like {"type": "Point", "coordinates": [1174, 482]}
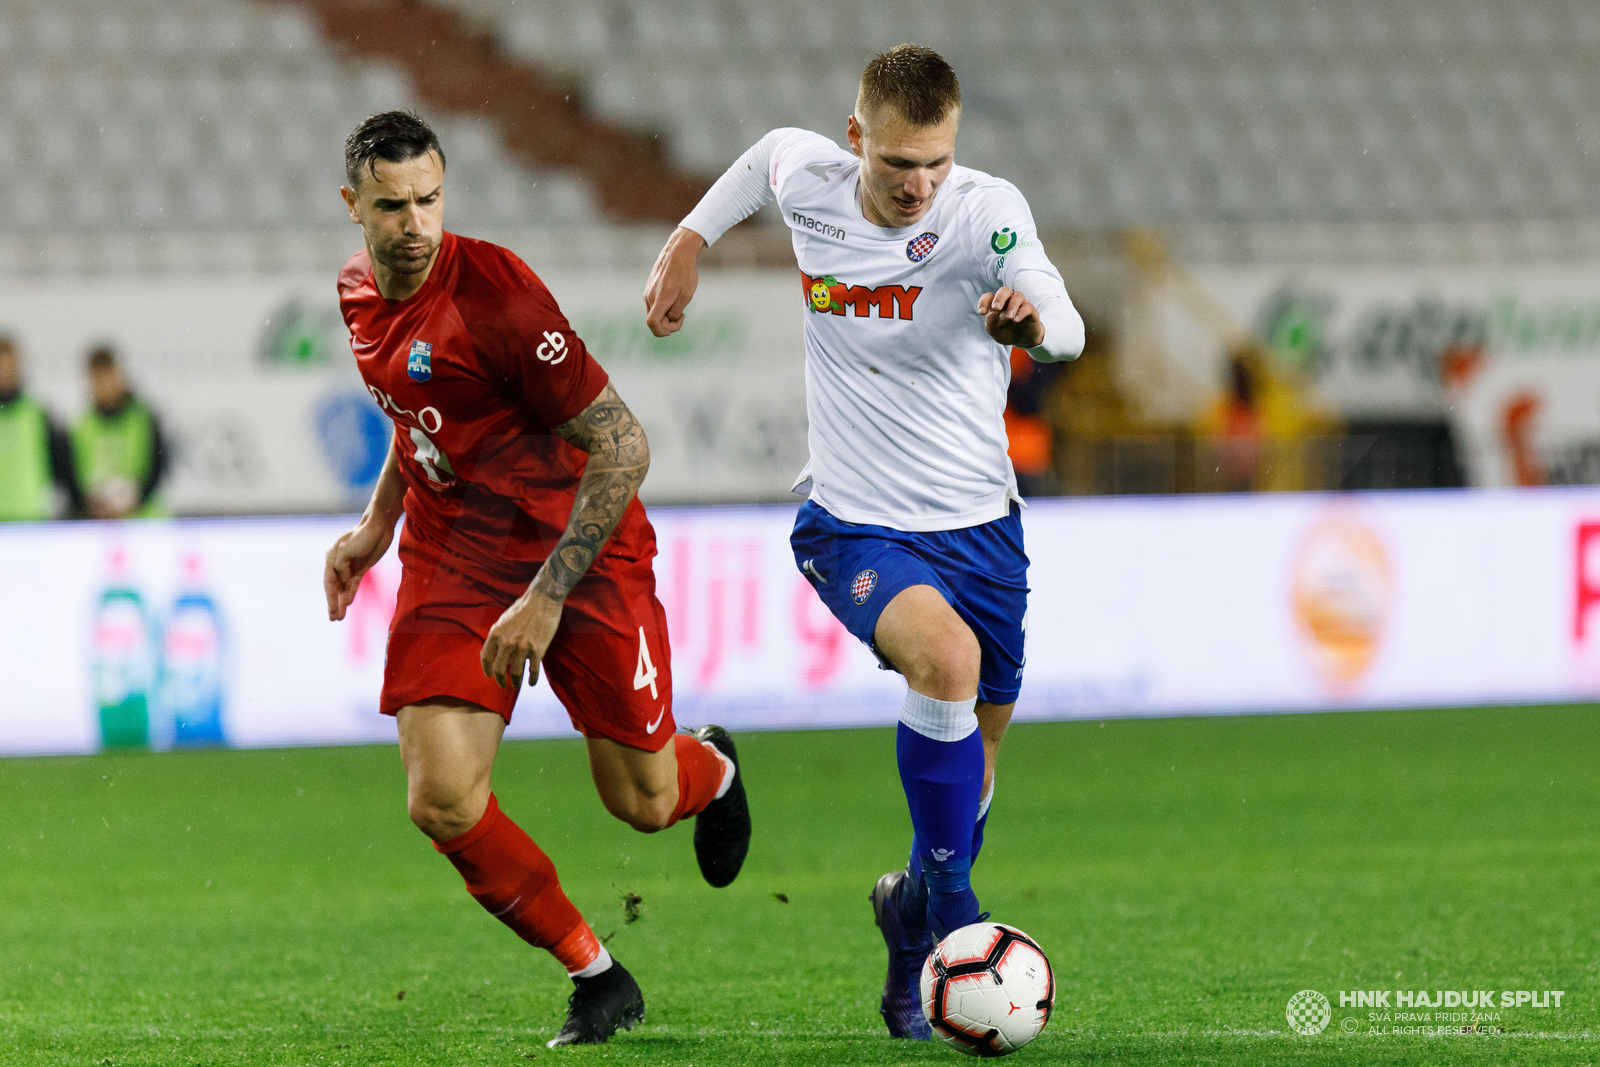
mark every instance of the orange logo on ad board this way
{"type": "Point", "coordinates": [1343, 591]}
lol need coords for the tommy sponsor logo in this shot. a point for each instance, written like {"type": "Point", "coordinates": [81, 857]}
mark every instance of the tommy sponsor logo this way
{"type": "Point", "coordinates": [862, 587]}
{"type": "Point", "coordinates": [419, 364]}
{"type": "Point", "coordinates": [828, 294]}
{"type": "Point", "coordinates": [920, 247]}
{"type": "Point", "coordinates": [826, 229]}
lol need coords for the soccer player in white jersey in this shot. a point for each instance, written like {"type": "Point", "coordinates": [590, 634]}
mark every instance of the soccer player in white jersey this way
{"type": "Point", "coordinates": [919, 276]}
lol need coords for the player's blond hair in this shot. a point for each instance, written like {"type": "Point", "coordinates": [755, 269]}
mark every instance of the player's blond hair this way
{"type": "Point", "coordinates": [915, 81]}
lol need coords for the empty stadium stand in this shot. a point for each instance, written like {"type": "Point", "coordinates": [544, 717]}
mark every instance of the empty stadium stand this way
{"type": "Point", "coordinates": [1411, 129]}
{"type": "Point", "coordinates": [1153, 112]}
{"type": "Point", "coordinates": [216, 115]}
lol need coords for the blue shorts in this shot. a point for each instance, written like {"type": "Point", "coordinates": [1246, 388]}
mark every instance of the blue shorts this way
{"type": "Point", "coordinates": [981, 571]}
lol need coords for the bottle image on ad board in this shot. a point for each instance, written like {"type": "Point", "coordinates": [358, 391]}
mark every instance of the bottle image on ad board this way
{"type": "Point", "coordinates": [192, 647]}
{"type": "Point", "coordinates": [123, 658]}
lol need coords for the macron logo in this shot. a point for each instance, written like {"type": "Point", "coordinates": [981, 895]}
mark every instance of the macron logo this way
{"type": "Point", "coordinates": [826, 229]}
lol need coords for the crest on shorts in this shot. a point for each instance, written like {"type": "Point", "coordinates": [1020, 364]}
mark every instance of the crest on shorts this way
{"type": "Point", "coordinates": [920, 247]}
{"type": "Point", "coordinates": [863, 586]}
{"type": "Point", "coordinates": [419, 364]}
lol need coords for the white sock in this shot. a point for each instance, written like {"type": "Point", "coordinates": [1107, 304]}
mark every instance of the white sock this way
{"type": "Point", "coordinates": [941, 720]}
{"type": "Point", "coordinates": [983, 807]}
{"type": "Point", "coordinates": [599, 964]}
{"type": "Point", "coordinates": [727, 770]}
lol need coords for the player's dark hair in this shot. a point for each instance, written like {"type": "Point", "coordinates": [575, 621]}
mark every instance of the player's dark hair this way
{"type": "Point", "coordinates": [102, 357]}
{"type": "Point", "coordinates": [392, 136]}
{"type": "Point", "coordinates": [915, 81]}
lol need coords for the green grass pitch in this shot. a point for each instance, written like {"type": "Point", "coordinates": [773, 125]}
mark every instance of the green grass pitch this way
{"type": "Point", "coordinates": [1185, 875]}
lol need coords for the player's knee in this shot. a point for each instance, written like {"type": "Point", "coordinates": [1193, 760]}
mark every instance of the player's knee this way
{"type": "Point", "coordinates": [950, 665]}
{"type": "Point", "coordinates": [442, 814]}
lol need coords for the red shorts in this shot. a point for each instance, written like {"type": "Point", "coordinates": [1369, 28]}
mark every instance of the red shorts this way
{"type": "Point", "coordinates": [609, 663]}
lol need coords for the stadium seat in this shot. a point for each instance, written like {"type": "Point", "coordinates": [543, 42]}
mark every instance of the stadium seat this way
{"type": "Point", "coordinates": [1376, 91]}
{"type": "Point", "coordinates": [1237, 111]}
{"type": "Point", "coordinates": [211, 115]}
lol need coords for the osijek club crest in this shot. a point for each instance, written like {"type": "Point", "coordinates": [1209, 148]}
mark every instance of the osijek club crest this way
{"type": "Point", "coordinates": [419, 364]}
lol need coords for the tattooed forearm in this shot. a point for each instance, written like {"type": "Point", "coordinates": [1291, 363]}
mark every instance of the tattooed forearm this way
{"type": "Point", "coordinates": [619, 456]}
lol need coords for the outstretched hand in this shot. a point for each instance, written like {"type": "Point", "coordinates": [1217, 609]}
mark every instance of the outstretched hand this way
{"type": "Point", "coordinates": [1009, 318]}
{"type": "Point", "coordinates": [520, 637]}
{"type": "Point", "coordinates": [673, 280]}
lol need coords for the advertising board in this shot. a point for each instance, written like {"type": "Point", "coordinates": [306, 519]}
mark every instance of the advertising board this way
{"type": "Point", "coordinates": [173, 633]}
{"type": "Point", "coordinates": [259, 395]}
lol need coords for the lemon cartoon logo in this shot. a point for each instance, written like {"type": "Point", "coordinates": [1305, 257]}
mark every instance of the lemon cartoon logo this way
{"type": "Point", "coordinates": [1002, 240]}
{"type": "Point", "coordinates": [1342, 591]}
{"type": "Point", "coordinates": [822, 293]}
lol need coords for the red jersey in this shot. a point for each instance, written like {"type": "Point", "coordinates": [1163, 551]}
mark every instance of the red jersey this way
{"type": "Point", "coordinates": [477, 369]}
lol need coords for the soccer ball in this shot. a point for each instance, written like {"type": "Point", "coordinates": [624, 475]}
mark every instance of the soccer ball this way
{"type": "Point", "coordinates": [987, 989]}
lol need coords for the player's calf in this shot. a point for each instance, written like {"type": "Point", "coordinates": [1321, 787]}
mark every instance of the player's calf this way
{"type": "Point", "coordinates": [646, 813]}
{"type": "Point", "coordinates": [940, 755]}
{"type": "Point", "coordinates": [651, 791]}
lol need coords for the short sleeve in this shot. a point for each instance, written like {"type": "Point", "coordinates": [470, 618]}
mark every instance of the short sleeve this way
{"type": "Point", "coordinates": [521, 337]}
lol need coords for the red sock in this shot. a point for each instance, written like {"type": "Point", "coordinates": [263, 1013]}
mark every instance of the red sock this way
{"type": "Point", "coordinates": [699, 776]}
{"type": "Point", "coordinates": [516, 883]}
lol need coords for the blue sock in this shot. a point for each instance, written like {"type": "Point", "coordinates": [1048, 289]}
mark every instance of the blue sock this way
{"type": "Point", "coordinates": [943, 779]}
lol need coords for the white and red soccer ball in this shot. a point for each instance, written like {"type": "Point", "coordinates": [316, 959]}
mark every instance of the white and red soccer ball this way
{"type": "Point", "coordinates": [987, 989]}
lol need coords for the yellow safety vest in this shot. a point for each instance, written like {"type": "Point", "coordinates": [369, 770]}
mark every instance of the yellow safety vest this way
{"type": "Point", "coordinates": [119, 446]}
{"type": "Point", "coordinates": [27, 489]}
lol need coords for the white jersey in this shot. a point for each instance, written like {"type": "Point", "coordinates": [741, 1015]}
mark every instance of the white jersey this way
{"type": "Point", "coordinates": [904, 388]}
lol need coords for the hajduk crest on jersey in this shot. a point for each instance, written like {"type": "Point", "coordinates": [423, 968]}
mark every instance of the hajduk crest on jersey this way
{"type": "Point", "coordinates": [920, 247]}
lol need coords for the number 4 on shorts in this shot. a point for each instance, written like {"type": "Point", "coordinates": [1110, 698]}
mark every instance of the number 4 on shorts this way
{"type": "Point", "coordinates": [645, 673]}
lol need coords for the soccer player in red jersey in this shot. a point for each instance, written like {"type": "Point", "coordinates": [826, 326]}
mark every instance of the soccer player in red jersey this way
{"type": "Point", "coordinates": [517, 466]}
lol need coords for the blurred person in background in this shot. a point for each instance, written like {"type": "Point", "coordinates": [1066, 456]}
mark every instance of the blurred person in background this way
{"type": "Point", "coordinates": [1266, 428]}
{"type": "Point", "coordinates": [36, 477]}
{"type": "Point", "coordinates": [1234, 424]}
{"type": "Point", "coordinates": [118, 450]}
